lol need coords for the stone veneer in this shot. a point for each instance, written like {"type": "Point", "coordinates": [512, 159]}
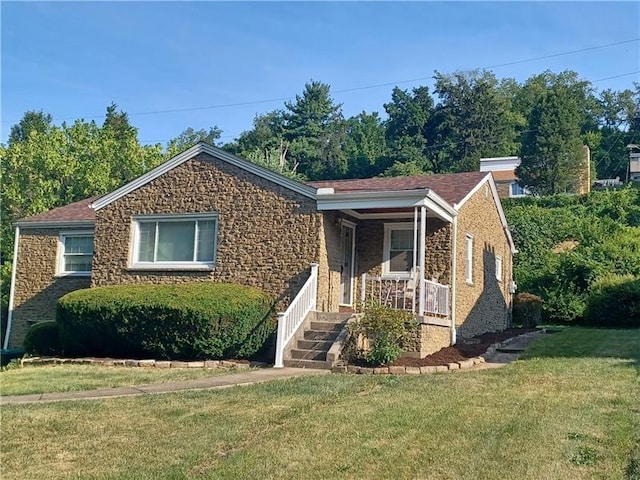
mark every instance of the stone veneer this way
{"type": "Point", "coordinates": [267, 234]}
{"type": "Point", "coordinates": [37, 288]}
{"type": "Point", "coordinates": [485, 304]}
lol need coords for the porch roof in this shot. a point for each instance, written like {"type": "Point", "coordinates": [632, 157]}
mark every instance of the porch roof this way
{"type": "Point", "coordinates": [360, 197]}
{"type": "Point", "coordinates": [451, 187]}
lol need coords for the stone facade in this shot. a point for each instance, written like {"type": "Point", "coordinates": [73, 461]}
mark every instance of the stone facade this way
{"type": "Point", "coordinates": [37, 288]}
{"type": "Point", "coordinates": [426, 340]}
{"type": "Point", "coordinates": [503, 188]}
{"type": "Point", "coordinates": [267, 234]}
{"type": "Point", "coordinates": [484, 305]}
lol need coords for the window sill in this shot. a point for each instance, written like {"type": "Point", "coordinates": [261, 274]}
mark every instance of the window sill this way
{"type": "Point", "coordinates": [179, 267]}
{"type": "Point", "coordinates": [393, 276]}
{"type": "Point", "coordinates": [72, 274]}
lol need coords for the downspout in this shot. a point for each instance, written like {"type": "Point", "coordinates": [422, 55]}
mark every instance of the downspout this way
{"type": "Point", "coordinates": [13, 288]}
{"type": "Point", "coordinates": [454, 279]}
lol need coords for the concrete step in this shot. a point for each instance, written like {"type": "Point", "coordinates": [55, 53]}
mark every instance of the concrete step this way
{"type": "Point", "coordinates": [298, 354]}
{"type": "Point", "coordinates": [333, 317]}
{"type": "Point", "coordinates": [323, 345]}
{"type": "Point", "coordinates": [326, 326]}
{"type": "Point", "coordinates": [306, 364]}
{"type": "Point", "coordinates": [320, 335]}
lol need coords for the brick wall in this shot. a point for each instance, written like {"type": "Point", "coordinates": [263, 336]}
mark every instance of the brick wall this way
{"type": "Point", "coordinates": [37, 289]}
{"type": "Point", "coordinates": [267, 235]}
{"type": "Point", "coordinates": [485, 304]}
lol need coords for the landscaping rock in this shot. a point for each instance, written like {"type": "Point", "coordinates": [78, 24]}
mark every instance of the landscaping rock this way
{"type": "Point", "coordinates": [427, 370]}
{"type": "Point", "coordinates": [453, 366]}
{"type": "Point", "coordinates": [412, 370]}
{"type": "Point", "coordinates": [163, 364]}
{"type": "Point", "coordinates": [397, 370]}
{"type": "Point", "coordinates": [381, 371]}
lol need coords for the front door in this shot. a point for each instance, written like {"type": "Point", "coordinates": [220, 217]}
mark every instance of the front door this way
{"type": "Point", "coordinates": [347, 232]}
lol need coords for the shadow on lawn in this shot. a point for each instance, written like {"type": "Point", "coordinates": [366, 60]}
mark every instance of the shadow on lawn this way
{"type": "Point", "coordinates": [582, 342]}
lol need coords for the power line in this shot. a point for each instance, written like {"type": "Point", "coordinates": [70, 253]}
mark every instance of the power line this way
{"type": "Point", "coordinates": [378, 85]}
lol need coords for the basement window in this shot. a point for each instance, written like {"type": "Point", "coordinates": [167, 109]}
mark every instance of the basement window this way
{"type": "Point", "coordinates": [175, 241]}
{"type": "Point", "coordinates": [75, 253]}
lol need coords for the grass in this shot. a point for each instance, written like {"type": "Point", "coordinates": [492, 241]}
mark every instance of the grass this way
{"type": "Point", "coordinates": [569, 410]}
{"type": "Point", "coordinates": [68, 378]}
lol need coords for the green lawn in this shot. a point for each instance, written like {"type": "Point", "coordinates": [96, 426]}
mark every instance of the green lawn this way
{"type": "Point", "coordinates": [570, 410]}
{"type": "Point", "coordinates": [68, 378]}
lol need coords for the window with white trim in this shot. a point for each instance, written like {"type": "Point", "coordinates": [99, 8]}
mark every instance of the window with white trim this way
{"type": "Point", "coordinates": [498, 268]}
{"type": "Point", "coordinates": [398, 249]}
{"type": "Point", "coordinates": [175, 241]}
{"type": "Point", "coordinates": [468, 265]}
{"type": "Point", "coordinates": [75, 253]}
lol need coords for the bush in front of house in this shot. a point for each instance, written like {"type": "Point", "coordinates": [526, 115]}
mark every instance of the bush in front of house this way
{"type": "Point", "coordinates": [614, 302]}
{"type": "Point", "coordinates": [527, 310]}
{"type": "Point", "coordinates": [384, 330]}
{"type": "Point", "coordinates": [42, 339]}
{"type": "Point", "coordinates": [184, 321]}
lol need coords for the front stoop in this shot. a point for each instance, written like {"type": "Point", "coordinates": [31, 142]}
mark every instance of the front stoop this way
{"type": "Point", "coordinates": [310, 351]}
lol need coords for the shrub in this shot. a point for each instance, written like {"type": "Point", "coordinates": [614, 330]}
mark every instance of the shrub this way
{"type": "Point", "coordinates": [614, 301]}
{"type": "Point", "coordinates": [527, 309]}
{"type": "Point", "coordinates": [386, 329]}
{"type": "Point", "coordinates": [187, 321]}
{"type": "Point", "coordinates": [42, 339]}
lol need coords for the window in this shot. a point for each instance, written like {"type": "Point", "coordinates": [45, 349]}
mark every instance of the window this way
{"type": "Point", "coordinates": [398, 249]}
{"type": "Point", "coordinates": [468, 267]}
{"type": "Point", "coordinates": [517, 190]}
{"type": "Point", "coordinates": [175, 241]}
{"type": "Point", "coordinates": [498, 268]}
{"type": "Point", "coordinates": [75, 253]}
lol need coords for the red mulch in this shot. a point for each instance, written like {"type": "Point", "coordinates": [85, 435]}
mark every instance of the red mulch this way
{"type": "Point", "coordinates": [462, 351]}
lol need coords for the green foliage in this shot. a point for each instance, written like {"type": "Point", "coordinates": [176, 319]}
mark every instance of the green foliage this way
{"type": "Point", "coordinates": [567, 242]}
{"type": "Point", "coordinates": [614, 301]}
{"type": "Point", "coordinates": [387, 329]}
{"type": "Point", "coordinates": [42, 339]}
{"type": "Point", "coordinates": [189, 137]}
{"type": "Point", "coordinates": [186, 321]}
{"type": "Point", "coordinates": [551, 149]}
{"type": "Point", "coordinates": [527, 310]}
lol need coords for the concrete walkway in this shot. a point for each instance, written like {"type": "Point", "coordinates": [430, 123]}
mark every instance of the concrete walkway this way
{"type": "Point", "coordinates": [212, 383]}
{"type": "Point", "coordinates": [510, 352]}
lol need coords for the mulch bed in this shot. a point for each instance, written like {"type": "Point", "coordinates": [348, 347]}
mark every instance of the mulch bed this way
{"type": "Point", "coordinates": [462, 351]}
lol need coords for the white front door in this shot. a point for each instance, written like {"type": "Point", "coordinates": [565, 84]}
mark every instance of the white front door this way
{"type": "Point", "coordinates": [347, 233]}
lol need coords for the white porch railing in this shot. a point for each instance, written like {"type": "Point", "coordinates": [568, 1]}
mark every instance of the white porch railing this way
{"type": "Point", "coordinates": [290, 320]}
{"type": "Point", "coordinates": [401, 293]}
{"type": "Point", "coordinates": [436, 298]}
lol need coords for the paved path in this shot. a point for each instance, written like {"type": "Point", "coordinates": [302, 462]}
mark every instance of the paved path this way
{"type": "Point", "coordinates": [508, 353]}
{"type": "Point", "coordinates": [211, 383]}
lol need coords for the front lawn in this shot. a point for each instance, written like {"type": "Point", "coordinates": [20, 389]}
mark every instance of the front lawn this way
{"type": "Point", "coordinates": [568, 411]}
{"type": "Point", "coordinates": [69, 378]}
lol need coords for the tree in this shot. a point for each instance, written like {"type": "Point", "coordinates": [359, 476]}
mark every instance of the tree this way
{"type": "Point", "coordinates": [315, 131]}
{"type": "Point", "coordinates": [365, 145]}
{"type": "Point", "coordinates": [189, 137]}
{"type": "Point", "coordinates": [39, 122]}
{"type": "Point", "coordinates": [551, 152]}
{"type": "Point", "coordinates": [473, 119]}
{"type": "Point", "coordinates": [407, 128]}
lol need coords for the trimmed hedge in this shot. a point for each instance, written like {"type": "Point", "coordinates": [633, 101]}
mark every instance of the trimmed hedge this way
{"type": "Point", "coordinates": [42, 339]}
{"type": "Point", "coordinates": [614, 302]}
{"type": "Point", "coordinates": [185, 321]}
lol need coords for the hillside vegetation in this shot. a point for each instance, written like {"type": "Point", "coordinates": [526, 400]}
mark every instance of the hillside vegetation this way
{"type": "Point", "coordinates": [570, 245]}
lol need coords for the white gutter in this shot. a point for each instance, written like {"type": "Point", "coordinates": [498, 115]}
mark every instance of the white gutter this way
{"type": "Point", "coordinates": [13, 288]}
{"type": "Point", "coordinates": [454, 279]}
{"type": "Point", "coordinates": [56, 224]}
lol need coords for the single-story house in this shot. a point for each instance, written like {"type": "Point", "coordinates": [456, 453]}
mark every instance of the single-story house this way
{"type": "Point", "coordinates": [437, 245]}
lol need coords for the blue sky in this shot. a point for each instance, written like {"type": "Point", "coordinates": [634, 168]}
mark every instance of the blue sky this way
{"type": "Point", "coordinates": [73, 59]}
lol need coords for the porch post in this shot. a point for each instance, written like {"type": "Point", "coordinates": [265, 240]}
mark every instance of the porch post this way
{"type": "Point", "coordinates": [423, 236]}
{"type": "Point", "coordinates": [415, 270]}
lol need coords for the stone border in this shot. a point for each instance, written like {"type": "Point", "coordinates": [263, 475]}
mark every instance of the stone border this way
{"type": "Point", "coordinates": [461, 365]}
{"type": "Point", "coordinates": [112, 362]}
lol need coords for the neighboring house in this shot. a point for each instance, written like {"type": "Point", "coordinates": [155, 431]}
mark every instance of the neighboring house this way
{"type": "Point", "coordinates": [438, 245]}
{"type": "Point", "coordinates": [634, 162]}
{"type": "Point", "coordinates": [504, 175]}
